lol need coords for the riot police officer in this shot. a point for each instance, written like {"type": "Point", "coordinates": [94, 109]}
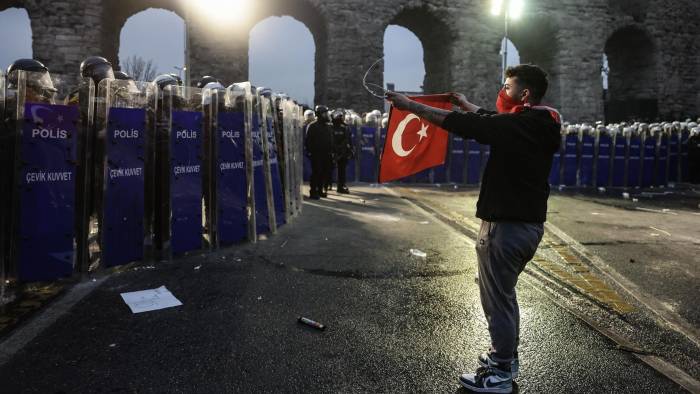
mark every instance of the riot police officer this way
{"type": "Point", "coordinates": [39, 89]}
{"type": "Point", "coordinates": [205, 80]}
{"type": "Point", "coordinates": [342, 148]}
{"type": "Point", "coordinates": [319, 148]}
{"type": "Point", "coordinates": [97, 68]}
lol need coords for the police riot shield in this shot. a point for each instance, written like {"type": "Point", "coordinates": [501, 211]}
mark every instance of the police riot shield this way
{"type": "Point", "coordinates": [260, 170]}
{"type": "Point", "coordinates": [602, 161]}
{"type": "Point", "coordinates": [684, 169]}
{"type": "Point", "coordinates": [122, 205]}
{"type": "Point", "coordinates": [457, 162]}
{"type": "Point", "coordinates": [231, 178]}
{"type": "Point", "coordinates": [282, 137]}
{"type": "Point", "coordinates": [555, 171]}
{"type": "Point", "coordinates": [634, 156]}
{"type": "Point", "coordinates": [368, 151]}
{"type": "Point", "coordinates": [181, 200]}
{"type": "Point", "coordinates": [273, 175]}
{"type": "Point", "coordinates": [293, 140]}
{"type": "Point", "coordinates": [473, 149]}
{"type": "Point", "coordinates": [40, 139]}
{"type": "Point", "coordinates": [662, 158]}
{"type": "Point", "coordinates": [673, 153]}
{"type": "Point", "coordinates": [620, 143]}
{"type": "Point", "coordinates": [586, 156]}
{"type": "Point", "coordinates": [298, 126]}
{"type": "Point", "coordinates": [648, 159]}
{"type": "Point", "coordinates": [570, 157]}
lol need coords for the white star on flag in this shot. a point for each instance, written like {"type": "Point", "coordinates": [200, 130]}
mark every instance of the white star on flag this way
{"type": "Point", "coordinates": [423, 132]}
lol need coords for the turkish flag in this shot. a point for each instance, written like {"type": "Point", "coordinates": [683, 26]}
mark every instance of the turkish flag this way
{"type": "Point", "coordinates": [412, 144]}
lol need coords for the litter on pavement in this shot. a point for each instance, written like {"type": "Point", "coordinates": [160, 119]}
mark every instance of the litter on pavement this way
{"type": "Point", "coordinates": [150, 300]}
{"type": "Point", "coordinates": [418, 253]}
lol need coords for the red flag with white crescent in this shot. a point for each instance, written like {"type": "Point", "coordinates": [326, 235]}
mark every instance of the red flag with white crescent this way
{"type": "Point", "coordinates": [413, 144]}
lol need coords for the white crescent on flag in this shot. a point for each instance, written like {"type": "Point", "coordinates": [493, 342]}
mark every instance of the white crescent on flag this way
{"type": "Point", "coordinates": [397, 139]}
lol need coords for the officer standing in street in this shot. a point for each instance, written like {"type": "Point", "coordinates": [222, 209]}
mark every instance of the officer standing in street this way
{"type": "Point", "coordinates": [319, 148]}
{"type": "Point", "coordinates": [342, 148]}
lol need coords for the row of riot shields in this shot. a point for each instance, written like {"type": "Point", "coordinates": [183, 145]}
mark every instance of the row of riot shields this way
{"type": "Point", "coordinates": [122, 172]}
{"type": "Point", "coordinates": [621, 157]}
{"type": "Point", "coordinates": [588, 157]}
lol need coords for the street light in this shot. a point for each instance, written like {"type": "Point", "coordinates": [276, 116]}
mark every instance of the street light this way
{"type": "Point", "coordinates": [214, 14]}
{"type": "Point", "coordinates": [511, 9]}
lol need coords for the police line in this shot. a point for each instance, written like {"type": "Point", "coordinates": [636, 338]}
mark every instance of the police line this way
{"type": "Point", "coordinates": [616, 155]}
{"type": "Point", "coordinates": [100, 176]}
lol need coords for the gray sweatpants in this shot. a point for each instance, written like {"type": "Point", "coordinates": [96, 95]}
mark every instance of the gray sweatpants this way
{"type": "Point", "coordinates": [502, 250]}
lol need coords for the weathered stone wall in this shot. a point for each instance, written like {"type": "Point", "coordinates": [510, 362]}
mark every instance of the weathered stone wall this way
{"type": "Point", "coordinates": [460, 41]}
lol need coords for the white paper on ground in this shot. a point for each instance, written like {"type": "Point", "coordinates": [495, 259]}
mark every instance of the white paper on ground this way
{"type": "Point", "coordinates": [150, 300]}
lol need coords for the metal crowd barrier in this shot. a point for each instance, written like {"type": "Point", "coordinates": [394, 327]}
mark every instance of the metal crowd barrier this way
{"type": "Point", "coordinates": [101, 176]}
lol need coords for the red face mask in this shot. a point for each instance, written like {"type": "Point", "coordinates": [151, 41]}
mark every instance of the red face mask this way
{"type": "Point", "coordinates": [505, 103]}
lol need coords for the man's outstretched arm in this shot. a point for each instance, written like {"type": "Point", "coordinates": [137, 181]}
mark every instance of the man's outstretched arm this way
{"type": "Point", "coordinates": [433, 115]}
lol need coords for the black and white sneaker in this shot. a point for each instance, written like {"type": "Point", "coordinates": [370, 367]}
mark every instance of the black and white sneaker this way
{"type": "Point", "coordinates": [485, 361]}
{"type": "Point", "coordinates": [487, 380]}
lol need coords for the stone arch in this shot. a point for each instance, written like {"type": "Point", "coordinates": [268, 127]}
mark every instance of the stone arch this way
{"type": "Point", "coordinates": [283, 64]}
{"type": "Point", "coordinates": [536, 39]}
{"type": "Point", "coordinates": [633, 85]}
{"type": "Point", "coordinates": [311, 16]}
{"type": "Point", "coordinates": [405, 57]}
{"type": "Point", "coordinates": [436, 35]}
{"type": "Point", "coordinates": [115, 15]}
{"type": "Point", "coordinates": [10, 31]}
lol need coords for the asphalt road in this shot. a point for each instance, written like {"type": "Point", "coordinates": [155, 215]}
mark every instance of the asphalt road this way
{"type": "Point", "coordinates": [395, 322]}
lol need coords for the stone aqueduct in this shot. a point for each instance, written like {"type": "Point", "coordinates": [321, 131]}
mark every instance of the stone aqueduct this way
{"type": "Point", "coordinates": [652, 45]}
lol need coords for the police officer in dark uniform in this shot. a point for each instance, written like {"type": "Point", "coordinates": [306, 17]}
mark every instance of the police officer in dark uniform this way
{"type": "Point", "coordinates": [39, 89]}
{"type": "Point", "coordinates": [342, 148]}
{"type": "Point", "coordinates": [97, 68]}
{"type": "Point", "coordinates": [206, 80]}
{"type": "Point", "coordinates": [319, 148]}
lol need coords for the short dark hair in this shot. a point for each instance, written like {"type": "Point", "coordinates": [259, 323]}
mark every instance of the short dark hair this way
{"type": "Point", "coordinates": [531, 77]}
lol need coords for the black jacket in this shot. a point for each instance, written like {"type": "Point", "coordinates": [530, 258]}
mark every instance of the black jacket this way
{"type": "Point", "coordinates": [319, 139]}
{"type": "Point", "coordinates": [341, 141]}
{"type": "Point", "coordinates": [515, 184]}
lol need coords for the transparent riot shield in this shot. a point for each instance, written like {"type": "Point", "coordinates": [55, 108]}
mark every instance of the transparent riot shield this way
{"type": "Point", "coordinates": [41, 142]}
{"type": "Point", "coordinates": [603, 157]}
{"type": "Point", "coordinates": [261, 173]}
{"type": "Point", "coordinates": [285, 108]}
{"type": "Point", "coordinates": [634, 158]}
{"type": "Point", "coordinates": [570, 158]}
{"type": "Point", "coordinates": [231, 178]}
{"type": "Point", "coordinates": [299, 135]}
{"type": "Point", "coordinates": [121, 213]}
{"type": "Point", "coordinates": [586, 164]}
{"type": "Point", "coordinates": [273, 176]}
{"type": "Point", "coordinates": [180, 156]}
{"type": "Point", "coordinates": [648, 161]}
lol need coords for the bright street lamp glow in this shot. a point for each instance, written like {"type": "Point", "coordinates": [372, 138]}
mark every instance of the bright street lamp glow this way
{"type": "Point", "coordinates": [516, 8]}
{"type": "Point", "coordinates": [496, 6]}
{"type": "Point", "coordinates": [224, 10]}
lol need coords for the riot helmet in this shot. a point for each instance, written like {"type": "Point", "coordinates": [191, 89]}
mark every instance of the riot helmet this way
{"type": "Point", "coordinates": [121, 75]}
{"type": "Point", "coordinates": [205, 80]}
{"type": "Point", "coordinates": [40, 87]}
{"type": "Point", "coordinates": [177, 78]}
{"type": "Point", "coordinates": [210, 89]}
{"type": "Point", "coordinates": [96, 68]}
{"type": "Point", "coordinates": [338, 116]}
{"type": "Point", "coordinates": [322, 113]}
{"type": "Point", "coordinates": [309, 116]}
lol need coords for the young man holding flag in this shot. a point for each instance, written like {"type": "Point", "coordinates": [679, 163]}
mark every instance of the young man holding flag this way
{"type": "Point", "coordinates": [512, 204]}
